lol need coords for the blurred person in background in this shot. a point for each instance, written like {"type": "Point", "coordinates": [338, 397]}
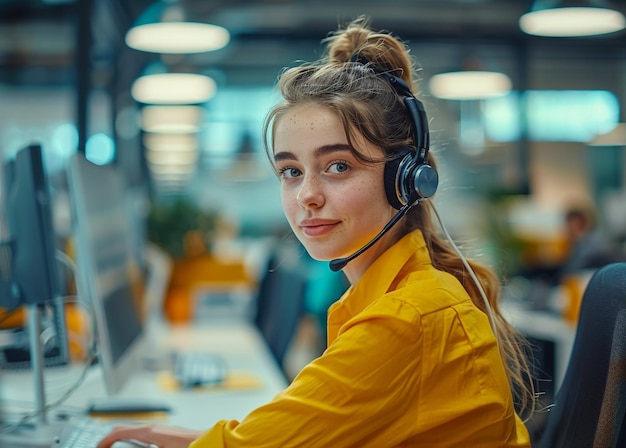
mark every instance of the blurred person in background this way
{"type": "Point", "coordinates": [589, 248]}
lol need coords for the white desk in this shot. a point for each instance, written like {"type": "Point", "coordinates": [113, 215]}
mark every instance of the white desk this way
{"type": "Point", "coordinates": [546, 326]}
{"type": "Point", "coordinates": [239, 344]}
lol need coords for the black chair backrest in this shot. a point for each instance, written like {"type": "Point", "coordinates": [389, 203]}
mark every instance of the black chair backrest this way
{"type": "Point", "coordinates": [590, 406]}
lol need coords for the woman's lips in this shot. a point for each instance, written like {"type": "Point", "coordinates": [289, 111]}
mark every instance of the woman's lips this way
{"type": "Point", "coordinates": [317, 227]}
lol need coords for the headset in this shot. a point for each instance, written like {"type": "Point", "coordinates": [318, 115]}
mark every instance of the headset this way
{"type": "Point", "coordinates": [408, 176]}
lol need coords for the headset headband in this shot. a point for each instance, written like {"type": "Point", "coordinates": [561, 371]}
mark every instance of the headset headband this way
{"type": "Point", "coordinates": [421, 135]}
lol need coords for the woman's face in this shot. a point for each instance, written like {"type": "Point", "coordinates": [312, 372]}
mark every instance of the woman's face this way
{"type": "Point", "coordinates": [334, 203]}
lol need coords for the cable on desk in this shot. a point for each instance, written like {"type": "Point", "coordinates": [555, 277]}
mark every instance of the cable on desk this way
{"type": "Point", "coordinates": [89, 358]}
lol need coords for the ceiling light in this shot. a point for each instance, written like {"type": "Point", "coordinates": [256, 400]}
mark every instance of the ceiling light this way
{"type": "Point", "coordinates": [171, 119]}
{"type": "Point", "coordinates": [469, 85]}
{"type": "Point", "coordinates": [172, 170]}
{"type": "Point", "coordinates": [173, 88]}
{"type": "Point", "coordinates": [571, 18]}
{"type": "Point", "coordinates": [162, 28]}
{"type": "Point", "coordinates": [167, 174]}
{"type": "Point", "coordinates": [170, 142]}
{"type": "Point", "coordinates": [172, 157]}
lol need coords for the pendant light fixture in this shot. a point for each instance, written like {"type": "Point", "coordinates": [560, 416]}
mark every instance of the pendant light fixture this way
{"type": "Point", "coordinates": [571, 18]}
{"type": "Point", "coordinates": [176, 119]}
{"type": "Point", "coordinates": [173, 88]}
{"type": "Point", "coordinates": [163, 28]}
{"type": "Point", "coordinates": [470, 83]}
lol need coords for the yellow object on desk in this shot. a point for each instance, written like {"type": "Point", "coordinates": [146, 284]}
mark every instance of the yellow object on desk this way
{"type": "Point", "coordinates": [233, 381]}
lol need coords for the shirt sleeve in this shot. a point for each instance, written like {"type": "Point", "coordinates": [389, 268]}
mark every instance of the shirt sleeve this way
{"type": "Point", "coordinates": [353, 395]}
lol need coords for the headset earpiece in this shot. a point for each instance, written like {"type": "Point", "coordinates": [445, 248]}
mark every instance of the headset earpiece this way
{"type": "Point", "coordinates": [407, 181]}
{"type": "Point", "coordinates": [426, 181]}
{"type": "Point", "coordinates": [392, 183]}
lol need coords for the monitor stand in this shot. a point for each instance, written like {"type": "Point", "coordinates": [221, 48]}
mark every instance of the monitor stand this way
{"type": "Point", "coordinates": [38, 432]}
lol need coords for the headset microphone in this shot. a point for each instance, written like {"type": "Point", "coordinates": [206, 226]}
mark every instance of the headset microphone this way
{"type": "Point", "coordinates": [339, 263]}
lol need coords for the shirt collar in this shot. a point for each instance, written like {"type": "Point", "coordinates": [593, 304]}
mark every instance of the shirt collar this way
{"type": "Point", "coordinates": [386, 272]}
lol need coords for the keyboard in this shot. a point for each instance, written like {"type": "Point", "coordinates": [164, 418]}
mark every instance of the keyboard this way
{"type": "Point", "coordinates": [192, 369]}
{"type": "Point", "coordinates": [87, 432]}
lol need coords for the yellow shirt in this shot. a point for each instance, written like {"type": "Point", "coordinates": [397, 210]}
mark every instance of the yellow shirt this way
{"type": "Point", "coordinates": [411, 362]}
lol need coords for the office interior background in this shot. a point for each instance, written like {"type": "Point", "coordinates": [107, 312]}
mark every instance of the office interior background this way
{"type": "Point", "coordinates": [66, 75]}
{"type": "Point", "coordinates": [510, 163]}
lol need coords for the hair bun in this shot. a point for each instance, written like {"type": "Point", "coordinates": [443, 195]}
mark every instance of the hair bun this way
{"type": "Point", "coordinates": [351, 41]}
{"type": "Point", "coordinates": [380, 48]}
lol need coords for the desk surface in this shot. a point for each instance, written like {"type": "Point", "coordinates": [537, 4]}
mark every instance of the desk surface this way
{"type": "Point", "coordinates": [238, 343]}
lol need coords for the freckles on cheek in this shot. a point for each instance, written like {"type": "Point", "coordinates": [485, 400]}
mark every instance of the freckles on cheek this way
{"type": "Point", "coordinates": [368, 193]}
{"type": "Point", "coordinates": [369, 200]}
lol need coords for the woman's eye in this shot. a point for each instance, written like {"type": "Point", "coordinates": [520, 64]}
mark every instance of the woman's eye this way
{"type": "Point", "coordinates": [339, 167]}
{"type": "Point", "coordinates": [289, 172]}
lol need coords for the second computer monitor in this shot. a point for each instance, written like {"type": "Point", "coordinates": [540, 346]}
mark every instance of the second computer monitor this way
{"type": "Point", "coordinates": [29, 272]}
{"type": "Point", "coordinates": [108, 274]}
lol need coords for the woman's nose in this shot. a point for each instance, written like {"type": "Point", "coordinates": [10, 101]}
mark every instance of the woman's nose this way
{"type": "Point", "coordinates": [310, 193]}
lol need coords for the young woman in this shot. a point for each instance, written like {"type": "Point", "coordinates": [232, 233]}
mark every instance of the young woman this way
{"type": "Point", "coordinates": [418, 354]}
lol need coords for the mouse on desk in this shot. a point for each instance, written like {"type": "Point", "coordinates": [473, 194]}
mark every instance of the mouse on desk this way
{"type": "Point", "coordinates": [193, 369]}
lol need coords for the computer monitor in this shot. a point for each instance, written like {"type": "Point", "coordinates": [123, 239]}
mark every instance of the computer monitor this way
{"type": "Point", "coordinates": [109, 278]}
{"type": "Point", "coordinates": [29, 219]}
{"type": "Point", "coordinates": [29, 269]}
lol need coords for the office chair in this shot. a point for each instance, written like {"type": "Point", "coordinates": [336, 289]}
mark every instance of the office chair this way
{"type": "Point", "coordinates": [590, 406]}
{"type": "Point", "coordinates": [279, 304]}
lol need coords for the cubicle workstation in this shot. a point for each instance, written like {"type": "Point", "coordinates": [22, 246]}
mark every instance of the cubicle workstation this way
{"type": "Point", "coordinates": [150, 392]}
{"type": "Point", "coordinates": [130, 368]}
{"type": "Point", "coordinates": [253, 379]}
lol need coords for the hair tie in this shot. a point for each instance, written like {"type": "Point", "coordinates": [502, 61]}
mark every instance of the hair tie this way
{"type": "Point", "coordinates": [399, 85]}
{"type": "Point", "coordinates": [356, 57]}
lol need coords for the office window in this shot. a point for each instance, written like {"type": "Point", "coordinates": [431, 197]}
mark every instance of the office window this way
{"type": "Point", "coordinates": [551, 115]}
{"type": "Point", "coordinates": [502, 118]}
{"type": "Point", "coordinates": [234, 117]}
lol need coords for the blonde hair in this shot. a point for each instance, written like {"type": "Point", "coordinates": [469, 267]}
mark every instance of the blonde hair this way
{"type": "Point", "coordinates": [368, 105]}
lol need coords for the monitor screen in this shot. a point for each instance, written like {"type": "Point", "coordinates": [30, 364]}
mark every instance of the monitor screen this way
{"type": "Point", "coordinates": [29, 270]}
{"type": "Point", "coordinates": [109, 278]}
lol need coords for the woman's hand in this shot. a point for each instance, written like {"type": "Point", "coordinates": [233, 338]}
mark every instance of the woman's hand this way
{"type": "Point", "coordinates": [160, 435]}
